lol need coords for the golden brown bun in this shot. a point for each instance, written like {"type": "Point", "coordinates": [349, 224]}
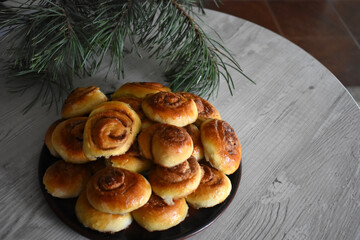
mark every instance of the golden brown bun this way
{"type": "Point", "coordinates": [67, 140]}
{"type": "Point", "coordinates": [81, 101]}
{"type": "Point", "coordinates": [48, 140]}
{"type": "Point", "coordinates": [145, 140]}
{"type": "Point", "coordinates": [131, 160]}
{"type": "Point", "coordinates": [170, 108]}
{"type": "Point", "coordinates": [135, 104]}
{"type": "Point", "coordinates": [157, 215]}
{"type": "Point", "coordinates": [205, 109]}
{"type": "Point", "coordinates": [171, 145]}
{"type": "Point", "coordinates": [100, 221]}
{"type": "Point", "coordinates": [214, 188]}
{"type": "Point", "coordinates": [194, 133]}
{"type": "Point", "coordinates": [118, 191]}
{"type": "Point", "coordinates": [221, 145]}
{"type": "Point", "coordinates": [176, 182]}
{"type": "Point", "coordinates": [139, 89]}
{"type": "Point", "coordinates": [110, 130]}
{"type": "Point", "coordinates": [66, 180]}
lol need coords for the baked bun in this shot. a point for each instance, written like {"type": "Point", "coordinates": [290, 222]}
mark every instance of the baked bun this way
{"type": "Point", "coordinates": [205, 109]}
{"type": "Point", "coordinates": [176, 182]}
{"type": "Point", "coordinates": [97, 220]}
{"type": "Point", "coordinates": [194, 133]}
{"type": "Point", "coordinates": [131, 160]}
{"type": "Point", "coordinates": [81, 101]}
{"type": "Point", "coordinates": [214, 188]}
{"type": "Point", "coordinates": [157, 215]}
{"type": "Point", "coordinates": [171, 145]}
{"type": "Point", "coordinates": [145, 140]}
{"type": "Point", "coordinates": [135, 104]}
{"type": "Point", "coordinates": [67, 140]}
{"type": "Point", "coordinates": [139, 89]}
{"type": "Point", "coordinates": [117, 190]}
{"type": "Point", "coordinates": [170, 108]}
{"type": "Point", "coordinates": [65, 180]}
{"type": "Point", "coordinates": [110, 130]}
{"type": "Point", "coordinates": [48, 140]}
{"type": "Point", "coordinates": [221, 146]}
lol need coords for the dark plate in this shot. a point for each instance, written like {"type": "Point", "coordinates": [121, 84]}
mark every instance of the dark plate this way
{"type": "Point", "coordinates": [196, 220]}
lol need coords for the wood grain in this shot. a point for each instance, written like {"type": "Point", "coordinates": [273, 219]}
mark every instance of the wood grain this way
{"type": "Point", "coordinates": [298, 126]}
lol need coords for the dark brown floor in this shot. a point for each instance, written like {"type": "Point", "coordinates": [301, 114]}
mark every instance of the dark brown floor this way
{"type": "Point", "coordinates": [327, 29]}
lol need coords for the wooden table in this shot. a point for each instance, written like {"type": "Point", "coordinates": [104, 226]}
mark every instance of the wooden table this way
{"type": "Point", "coordinates": [298, 126]}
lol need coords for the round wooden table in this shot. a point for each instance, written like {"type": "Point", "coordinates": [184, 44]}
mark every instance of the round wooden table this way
{"type": "Point", "coordinates": [298, 126]}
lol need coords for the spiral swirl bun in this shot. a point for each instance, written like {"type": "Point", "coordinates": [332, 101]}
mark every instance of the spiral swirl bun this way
{"type": "Point", "coordinates": [48, 138]}
{"type": "Point", "coordinates": [67, 140]}
{"type": "Point", "coordinates": [221, 146]}
{"type": "Point", "coordinates": [214, 188]}
{"type": "Point", "coordinates": [145, 140]}
{"type": "Point", "coordinates": [170, 108]}
{"type": "Point", "coordinates": [118, 191]}
{"type": "Point", "coordinates": [157, 215]}
{"type": "Point", "coordinates": [139, 89]}
{"type": "Point", "coordinates": [81, 101]}
{"type": "Point", "coordinates": [194, 133]}
{"type": "Point", "coordinates": [176, 182]}
{"type": "Point", "coordinates": [110, 130]}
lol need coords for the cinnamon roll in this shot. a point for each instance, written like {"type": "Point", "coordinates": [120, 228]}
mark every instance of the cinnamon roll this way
{"type": "Point", "coordinates": [131, 160]}
{"type": "Point", "coordinates": [117, 190]}
{"type": "Point", "coordinates": [171, 145]}
{"type": "Point", "coordinates": [135, 104]}
{"type": "Point", "coordinates": [81, 101]}
{"type": "Point", "coordinates": [205, 109]}
{"type": "Point", "coordinates": [110, 130]}
{"type": "Point", "coordinates": [170, 108]}
{"type": "Point", "coordinates": [65, 180]}
{"type": "Point", "coordinates": [221, 145]}
{"type": "Point", "coordinates": [214, 188]}
{"type": "Point", "coordinates": [176, 182]}
{"type": "Point", "coordinates": [139, 89]}
{"type": "Point", "coordinates": [145, 140]}
{"type": "Point", "coordinates": [97, 220]}
{"type": "Point", "coordinates": [194, 133]}
{"type": "Point", "coordinates": [48, 138]}
{"type": "Point", "coordinates": [67, 140]}
{"type": "Point", "coordinates": [157, 215]}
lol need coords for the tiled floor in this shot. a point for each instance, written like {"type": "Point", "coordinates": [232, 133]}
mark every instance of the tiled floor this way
{"type": "Point", "coordinates": [327, 29]}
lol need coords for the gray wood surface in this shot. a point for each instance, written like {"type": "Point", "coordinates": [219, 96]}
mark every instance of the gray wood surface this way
{"type": "Point", "coordinates": [298, 126]}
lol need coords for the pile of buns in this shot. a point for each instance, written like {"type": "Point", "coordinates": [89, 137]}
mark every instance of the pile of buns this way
{"type": "Point", "coordinates": [145, 155]}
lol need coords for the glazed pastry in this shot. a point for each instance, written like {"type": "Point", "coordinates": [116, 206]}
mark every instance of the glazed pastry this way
{"type": "Point", "coordinates": [117, 190]}
{"type": "Point", "coordinates": [176, 182]}
{"type": "Point", "coordinates": [145, 140]}
{"type": "Point", "coordinates": [135, 104]}
{"type": "Point", "coordinates": [100, 221]}
{"type": "Point", "coordinates": [221, 146]}
{"type": "Point", "coordinates": [67, 140]}
{"type": "Point", "coordinates": [171, 145]}
{"type": "Point", "coordinates": [110, 130]}
{"type": "Point", "coordinates": [214, 188]}
{"type": "Point", "coordinates": [205, 109]}
{"type": "Point", "coordinates": [194, 133]}
{"type": "Point", "coordinates": [48, 140]}
{"type": "Point", "coordinates": [170, 108]}
{"type": "Point", "coordinates": [139, 89]}
{"type": "Point", "coordinates": [157, 215]}
{"type": "Point", "coordinates": [65, 180]}
{"type": "Point", "coordinates": [131, 160]}
{"type": "Point", "coordinates": [81, 101]}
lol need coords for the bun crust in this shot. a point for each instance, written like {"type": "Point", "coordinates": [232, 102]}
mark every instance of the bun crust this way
{"type": "Point", "coordinates": [145, 140]}
{"type": "Point", "coordinates": [157, 215]}
{"type": "Point", "coordinates": [117, 190]}
{"type": "Point", "coordinates": [214, 188]}
{"type": "Point", "coordinates": [66, 180]}
{"type": "Point", "coordinates": [67, 140]}
{"type": "Point", "coordinates": [97, 220]}
{"type": "Point", "coordinates": [81, 101]}
{"type": "Point", "coordinates": [170, 108]}
{"type": "Point", "coordinates": [48, 138]}
{"type": "Point", "coordinates": [221, 145]}
{"type": "Point", "coordinates": [139, 89]}
{"type": "Point", "coordinates": [194, 133]}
